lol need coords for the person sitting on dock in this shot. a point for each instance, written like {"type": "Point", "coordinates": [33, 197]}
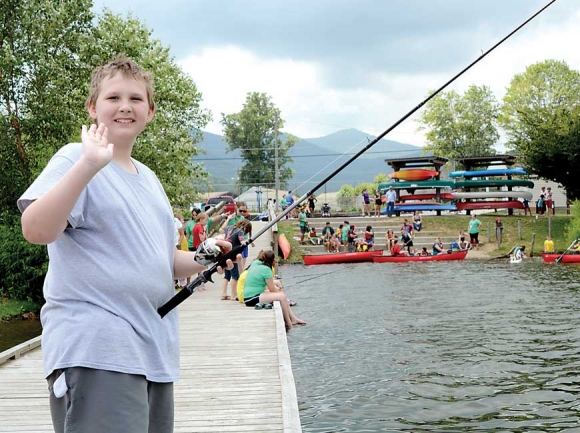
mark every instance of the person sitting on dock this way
{"type": "Point", "coordinates": [259, 278]}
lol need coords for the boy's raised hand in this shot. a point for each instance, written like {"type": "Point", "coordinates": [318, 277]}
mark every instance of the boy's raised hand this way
{"type": "Point", "coordinates": [97, 151]}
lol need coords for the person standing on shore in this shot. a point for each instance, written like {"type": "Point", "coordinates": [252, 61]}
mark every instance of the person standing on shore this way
{"type": "Point", "coordinates": [366, 210]}
{"type": "Point", "coordinates": [473, 230]}
{"type": "Point", "coordinates": [391, 196]}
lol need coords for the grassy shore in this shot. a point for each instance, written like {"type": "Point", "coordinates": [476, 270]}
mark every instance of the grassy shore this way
{"type": "Point", "coordinates": [517, 230]}
{"type": "Point", "coordinates": [13, 308]}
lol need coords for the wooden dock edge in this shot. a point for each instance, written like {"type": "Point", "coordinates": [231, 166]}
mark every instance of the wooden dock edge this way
{"type": "Point", "coordinates": [17, 351]}
{"type": "Point", "coordinates": [290, 416]}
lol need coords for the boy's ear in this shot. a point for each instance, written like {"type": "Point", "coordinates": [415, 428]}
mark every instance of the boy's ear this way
{"type": "Point", "coordinates": [150, 114]}
{"type": "Point", "coordinates": [92, 109]}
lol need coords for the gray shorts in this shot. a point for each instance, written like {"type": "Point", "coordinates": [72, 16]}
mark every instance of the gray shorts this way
{"type": "Point", "coordinates": [99, 401]}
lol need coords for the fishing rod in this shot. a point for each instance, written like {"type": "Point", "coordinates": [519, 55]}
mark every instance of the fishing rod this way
{"type": "Point", "coordinates": [209, 253]}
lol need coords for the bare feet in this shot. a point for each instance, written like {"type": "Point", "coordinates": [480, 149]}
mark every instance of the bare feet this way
{"type": "Point", "coordinates": [298, 322]}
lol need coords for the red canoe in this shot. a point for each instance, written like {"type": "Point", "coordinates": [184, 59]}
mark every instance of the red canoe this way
{"type": "Point", "coordinates": [329, 258]}
{"type": "Point", "coordinates": [445, 196]}
{"type": "Point", "coordinates": [496, 204]}
{"type": "Point", "coordinates": [566, 258]}
{"type": "Point", "coordinates": [459, 255]}
{"type": "Point", "coordinates": [414, 174]}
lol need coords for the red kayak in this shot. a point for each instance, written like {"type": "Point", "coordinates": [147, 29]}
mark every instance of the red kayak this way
{"type": "Point", "coordinates": [566, 258]}
{"type": "Point", "coordinates": [458, 255]}
{"type": "Point", "coordinates": [446, 196]}
{"type": "Point", "coordinates": [497, 204]}
{"type": "Point", "coordinates": [329, 258]}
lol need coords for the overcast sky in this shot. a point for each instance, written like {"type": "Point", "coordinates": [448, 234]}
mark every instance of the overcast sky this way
{"type": "Point", "coordinates": [337, 64]}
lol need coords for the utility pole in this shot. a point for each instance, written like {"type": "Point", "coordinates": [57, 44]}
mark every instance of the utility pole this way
{"type": "Point", "coordinates": [276, 168]}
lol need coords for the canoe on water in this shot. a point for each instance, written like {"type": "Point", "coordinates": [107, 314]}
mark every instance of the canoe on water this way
{"type": "Point", "coordinates": [346, 257]}
{"type": "Point", "coordinates": [491, 172]}
{"type": "Point", "coordinates": [566, 258]}
{"type": "Point", "coordinates": [458, 255]}
{"type": "Point", "coordinates": [414, 174]}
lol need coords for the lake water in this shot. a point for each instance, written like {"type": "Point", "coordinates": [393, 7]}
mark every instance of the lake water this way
{"type": "Point", "coordinates": [449, 346]}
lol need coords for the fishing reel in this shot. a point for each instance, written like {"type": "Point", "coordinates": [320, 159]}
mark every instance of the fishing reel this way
{"type": "Point", "coordinates": [208, 252]}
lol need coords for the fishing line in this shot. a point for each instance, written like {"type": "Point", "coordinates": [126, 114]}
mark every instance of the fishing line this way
{"type": "Point", "coordinates": [318, 276]}
{"type": "Point", "coordinates": [205, 276]}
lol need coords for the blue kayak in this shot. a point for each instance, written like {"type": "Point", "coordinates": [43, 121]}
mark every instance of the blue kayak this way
{"type": "Point", "coordinates": [491, 172]}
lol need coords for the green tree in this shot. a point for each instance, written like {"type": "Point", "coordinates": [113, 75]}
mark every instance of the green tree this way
{"type": "Point", "coordinates": [346, 197]}
{"type": "Point", "coordinates": [42, 86]}
{"type": "Point", "coordinates": [461, 126]}
{"type": "Point", "coordinates": [255, 130]}
{"type": "Point", "coordinates": [541, 115]}
{"type": "Point", "coordinates": [168, 143]}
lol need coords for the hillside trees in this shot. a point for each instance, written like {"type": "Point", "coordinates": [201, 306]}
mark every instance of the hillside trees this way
{"type": "Point", "coordinates": [541, 114]}
{"type": "Point", "coordinates": [461, 125]}
{"type": "Point", "coordinates": [255, 131]}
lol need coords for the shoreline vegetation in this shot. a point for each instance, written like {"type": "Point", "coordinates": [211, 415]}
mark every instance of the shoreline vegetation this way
{"type": "Point", "coordinates": [447, 225]}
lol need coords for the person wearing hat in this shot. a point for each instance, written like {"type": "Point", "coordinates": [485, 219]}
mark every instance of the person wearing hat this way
{"type": "Point", "coordinates": [391, 196]}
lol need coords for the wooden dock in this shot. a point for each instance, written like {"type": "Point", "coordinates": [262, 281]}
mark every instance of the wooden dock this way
{"type": "Point", "coordinates": [236, 374]}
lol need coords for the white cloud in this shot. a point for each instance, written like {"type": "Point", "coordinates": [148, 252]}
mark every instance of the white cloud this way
{"type": "Point", "coordinates": [312, 108]}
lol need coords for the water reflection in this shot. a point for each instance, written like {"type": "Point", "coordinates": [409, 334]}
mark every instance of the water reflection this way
{"type": "Point", "coordinates": [18, 331]}
{"type": "Point", "coordinates": [458, 346]}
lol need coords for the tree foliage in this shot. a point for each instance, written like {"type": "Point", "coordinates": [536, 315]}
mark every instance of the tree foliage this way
{"type": "Point", "coordinates": [255, 130]}
{"type": "Point", "coordinates": [541, 114]}
{"type": "Point", "coordinates": [461, 125]}
{"type": "Point", "coordinates": [47, 52]}
{"type": "Point", "coordinates": [42, 86]}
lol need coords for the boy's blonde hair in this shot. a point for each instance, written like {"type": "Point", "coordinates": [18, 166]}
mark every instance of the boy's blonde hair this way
{"type": "Point", "coordinates": [129, 68]}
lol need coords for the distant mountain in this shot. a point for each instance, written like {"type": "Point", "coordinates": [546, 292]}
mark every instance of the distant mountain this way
{"type": "Point", "coordinates": [314, 159]}
{"type": "Point", "coordinates": [352, 140]}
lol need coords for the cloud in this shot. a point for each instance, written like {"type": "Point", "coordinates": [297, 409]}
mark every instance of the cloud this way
{"type": "Point", "coordinates": [334, 64]}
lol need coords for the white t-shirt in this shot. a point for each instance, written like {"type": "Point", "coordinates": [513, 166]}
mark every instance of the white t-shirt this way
{"type": "Point", "coordinates": [108, 273]}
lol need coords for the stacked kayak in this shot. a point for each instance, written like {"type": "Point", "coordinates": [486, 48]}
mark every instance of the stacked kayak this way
{"type": "Point", "coordinates": [491, 189]}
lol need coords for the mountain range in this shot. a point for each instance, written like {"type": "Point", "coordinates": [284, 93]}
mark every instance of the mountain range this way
{"type": "Point", "coordinates": [314, 159]}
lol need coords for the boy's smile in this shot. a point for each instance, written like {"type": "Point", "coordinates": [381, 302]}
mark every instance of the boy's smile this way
{"type": "Point", "coordinates": [122, 105]}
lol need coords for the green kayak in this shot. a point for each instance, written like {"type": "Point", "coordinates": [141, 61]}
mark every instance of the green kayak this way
{"type": "Point", "coordinates": [495, 182]}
